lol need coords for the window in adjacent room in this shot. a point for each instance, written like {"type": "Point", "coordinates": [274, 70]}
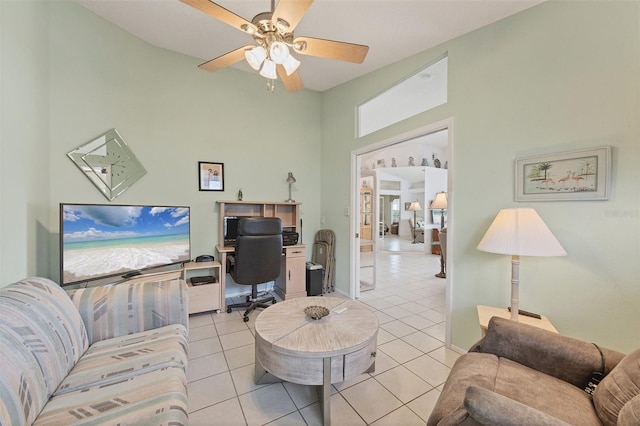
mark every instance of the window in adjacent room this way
{"type": "Point", "coordinates": [421, 92]}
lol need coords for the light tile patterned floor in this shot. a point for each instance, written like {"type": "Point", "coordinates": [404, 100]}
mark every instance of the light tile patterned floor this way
{"type": "Point", "coordinates": [411, 365]}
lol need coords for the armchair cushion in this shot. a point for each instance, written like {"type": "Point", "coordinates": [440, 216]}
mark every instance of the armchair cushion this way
{"type": "Point", "coordinates": [490, 408]}
{"type": "Point", "coordinates": [630, 413]}
{"type": "Point", "coordinates": [617, 389]}
{"type": "Point", "coordinates": [538, 391]}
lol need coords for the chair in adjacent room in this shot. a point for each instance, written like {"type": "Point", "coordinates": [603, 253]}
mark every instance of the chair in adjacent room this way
{"type": "Point", "coordinates": [257, 258]}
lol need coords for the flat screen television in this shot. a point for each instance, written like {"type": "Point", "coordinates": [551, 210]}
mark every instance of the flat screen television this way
{"type": "Point", "coordinates": [106, 240]}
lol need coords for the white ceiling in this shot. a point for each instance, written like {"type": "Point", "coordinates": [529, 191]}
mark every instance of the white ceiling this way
{"type": "Point", "coordinates": [393, 29]}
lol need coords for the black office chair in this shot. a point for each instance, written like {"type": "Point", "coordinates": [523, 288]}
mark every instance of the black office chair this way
{"type": "Point", "coordinates": [257, 258]}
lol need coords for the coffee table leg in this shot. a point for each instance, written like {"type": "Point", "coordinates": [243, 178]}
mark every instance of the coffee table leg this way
{"type": "Point", "coordinates": [325, 393]}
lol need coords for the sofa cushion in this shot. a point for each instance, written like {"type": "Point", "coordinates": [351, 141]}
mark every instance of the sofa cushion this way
{"type": "Point", "coordinates": [111, 311]}
{"type": "Point", "coordinates": [117, 359]}
{"type": "Point", "coordinates": [155, 398]}
{"type": "Point", "coordinates": [47, 336]}
{"type": "Point", "coordinates": [618, 387]}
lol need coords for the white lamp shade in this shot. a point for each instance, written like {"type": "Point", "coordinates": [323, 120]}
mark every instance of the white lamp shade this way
{"type": "Point", "coordinates": [440, 202]}
{"type": "Point", "coordinates": [278, 52]}
{"type": "Point", "coordinates": [520, 232]}
{"type": "Point", "coordinates": [269, 70]}
{"type": "Point", "coordinates": [255, 56]}
{"type": "Point", "coordinates": [415, 207]}
{"type": "Point", "coordinates": [291, 64]}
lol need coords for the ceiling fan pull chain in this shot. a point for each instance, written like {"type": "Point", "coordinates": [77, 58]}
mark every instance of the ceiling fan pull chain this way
{"type": "Point", "coordinates": [271, 85]}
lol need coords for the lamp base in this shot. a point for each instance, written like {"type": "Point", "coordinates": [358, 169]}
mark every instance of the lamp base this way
{"type": "Point", "coordinates": [289, 201]}
{"type": "Point", "coordinates": [442, 273]}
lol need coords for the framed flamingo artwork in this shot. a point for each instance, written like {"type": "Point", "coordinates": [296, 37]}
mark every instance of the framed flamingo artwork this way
{"type": "Point", "coordinates": [573, 175]}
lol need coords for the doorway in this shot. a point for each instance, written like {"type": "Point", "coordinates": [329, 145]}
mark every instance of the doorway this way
{"type": "Point", "coordinates": [363, 167]}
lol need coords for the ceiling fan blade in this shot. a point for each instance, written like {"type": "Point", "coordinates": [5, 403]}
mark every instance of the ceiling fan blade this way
{"type": "Point", "coordinates": [225, 60]}
{"type": "Point", "coordinates": [331, 49]}
{"type": "Point", "coordinates": [291, 82]}
{"type": "Point", "coordinates": [291, 11]}
{"type": "Point", "coordinates": [220, 13]}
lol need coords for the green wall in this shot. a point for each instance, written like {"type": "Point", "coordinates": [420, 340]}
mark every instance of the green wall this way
{"type": "Point", "coordinates": [24, 128]}
{"type": "Point", "coordinates": [94, 76]}
{"type": "Point", "coordinates": [557, 77]}
{"type": "Point", "coordinates": [560, 76]}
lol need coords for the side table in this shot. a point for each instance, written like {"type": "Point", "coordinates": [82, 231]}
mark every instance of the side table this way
{"type": "Point", "coordinates": [486, 312]}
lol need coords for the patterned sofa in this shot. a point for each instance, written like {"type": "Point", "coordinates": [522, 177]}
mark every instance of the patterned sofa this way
{"type": "Point", "coordinates": [103, 355]}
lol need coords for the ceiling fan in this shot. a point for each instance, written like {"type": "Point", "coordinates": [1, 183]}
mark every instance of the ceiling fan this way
{"type": "Point", "coordinates": [273, 33]}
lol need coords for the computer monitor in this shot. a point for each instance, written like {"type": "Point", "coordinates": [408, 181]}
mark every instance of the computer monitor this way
{"type": "Point", "coordinates": [230, 229]}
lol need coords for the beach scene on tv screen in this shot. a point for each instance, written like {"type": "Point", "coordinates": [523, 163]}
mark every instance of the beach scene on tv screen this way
{"type": "Point", "coordinates": [101, 240]}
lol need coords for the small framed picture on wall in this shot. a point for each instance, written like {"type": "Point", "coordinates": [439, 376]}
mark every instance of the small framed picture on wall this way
{"type": "Point", "coordinates": [210, 176]}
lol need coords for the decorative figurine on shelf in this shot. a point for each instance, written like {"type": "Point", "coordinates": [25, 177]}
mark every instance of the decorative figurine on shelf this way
{"type": "Point", "coordinates": [425, 162]}
{"type": "Point", "coordinates": [373, 165]}
{"type": "Point", "coordinates": [381, 163]}
{"type": "Point", "coordinates": [436, 162]}
{"type": "Point", "coordinates": [446, 164]}
{"type": "Point", "coordinates": [240, 194]}
{"type": "Point", "coordinates": [411, 162]}
{"type": "Point", "coordinates": [393, 162]}
{"type": "Point", "coordinates": [290, 180]}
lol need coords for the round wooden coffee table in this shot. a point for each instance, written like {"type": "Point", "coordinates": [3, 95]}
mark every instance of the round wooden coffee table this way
{"type": "Point", "coordinates": [294, 347]}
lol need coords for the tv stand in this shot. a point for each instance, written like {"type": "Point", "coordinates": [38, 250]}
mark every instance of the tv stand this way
{"type": "Point", "coordinates": [204, 297]}
{"type": "Point", "coordinates": [291, 282]}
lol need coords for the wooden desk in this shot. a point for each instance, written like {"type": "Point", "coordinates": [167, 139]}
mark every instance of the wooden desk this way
{"type": "Point", "coordinates": [298, 349]}
{"type": "Point", "coordinates": [291, 282]}
{"type": "Point", "coordinates": [486, 312]}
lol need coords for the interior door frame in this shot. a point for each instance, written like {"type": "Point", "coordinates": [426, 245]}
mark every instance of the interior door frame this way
{"type": "Point", "coordinates": [354, 241]}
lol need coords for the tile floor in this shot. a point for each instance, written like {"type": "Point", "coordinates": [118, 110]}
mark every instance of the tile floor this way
{"type": "Point", "coordinates": [411, 364]}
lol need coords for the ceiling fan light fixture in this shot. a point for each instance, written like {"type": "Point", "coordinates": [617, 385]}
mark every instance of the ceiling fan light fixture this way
{"type": "Point", "coordinates": [278, 52]}
{"type": "Point", "coordinates": [290, 65]}
{"type": "Point", "coordinates": [269, 70]}
{"type": "Point", "coordinates": [255, 57]}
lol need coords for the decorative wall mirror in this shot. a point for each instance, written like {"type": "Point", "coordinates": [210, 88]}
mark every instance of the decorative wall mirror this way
{"type": "Point", "coordinates": [108, 163]}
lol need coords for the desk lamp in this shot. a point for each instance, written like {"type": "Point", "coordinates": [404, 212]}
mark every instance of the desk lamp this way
{"type": "Point", "coordinates": [415, 207]}
{"type": "Point", "coordinates": [290, 180]}
{"type": "Point", "coordinates": [440, 203]}
{"type": "Point", "coordinates": [519, 232]}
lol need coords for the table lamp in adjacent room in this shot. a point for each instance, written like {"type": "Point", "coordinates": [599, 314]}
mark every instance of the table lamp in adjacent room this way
{"type": "Point", "coordinates": [440, 203]}
{"type": "Point", "coordinates": [519, 232]}
{"type": "Point", "coordinates": [415, 207]}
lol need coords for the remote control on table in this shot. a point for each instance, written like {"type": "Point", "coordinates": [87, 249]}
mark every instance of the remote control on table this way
{"type": "Point", "coordinates": [526, 314]}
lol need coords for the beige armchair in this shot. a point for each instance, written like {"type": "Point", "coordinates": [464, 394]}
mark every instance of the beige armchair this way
{"type": "Point", "coordinates": [419, 230]}
{"type": "Point", "coordinates": [522, 375]}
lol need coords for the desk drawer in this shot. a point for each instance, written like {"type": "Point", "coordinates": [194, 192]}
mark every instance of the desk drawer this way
{"type": "Point", "coordinates": [295, 251]}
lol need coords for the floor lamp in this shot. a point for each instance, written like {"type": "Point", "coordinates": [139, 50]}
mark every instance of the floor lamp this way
{"type": "Point", "coordinates": [440, 203]}
{"type": "Point", "coordinates": [415, 207]}
{"type": "Point", "coordinates": [519, 232]}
